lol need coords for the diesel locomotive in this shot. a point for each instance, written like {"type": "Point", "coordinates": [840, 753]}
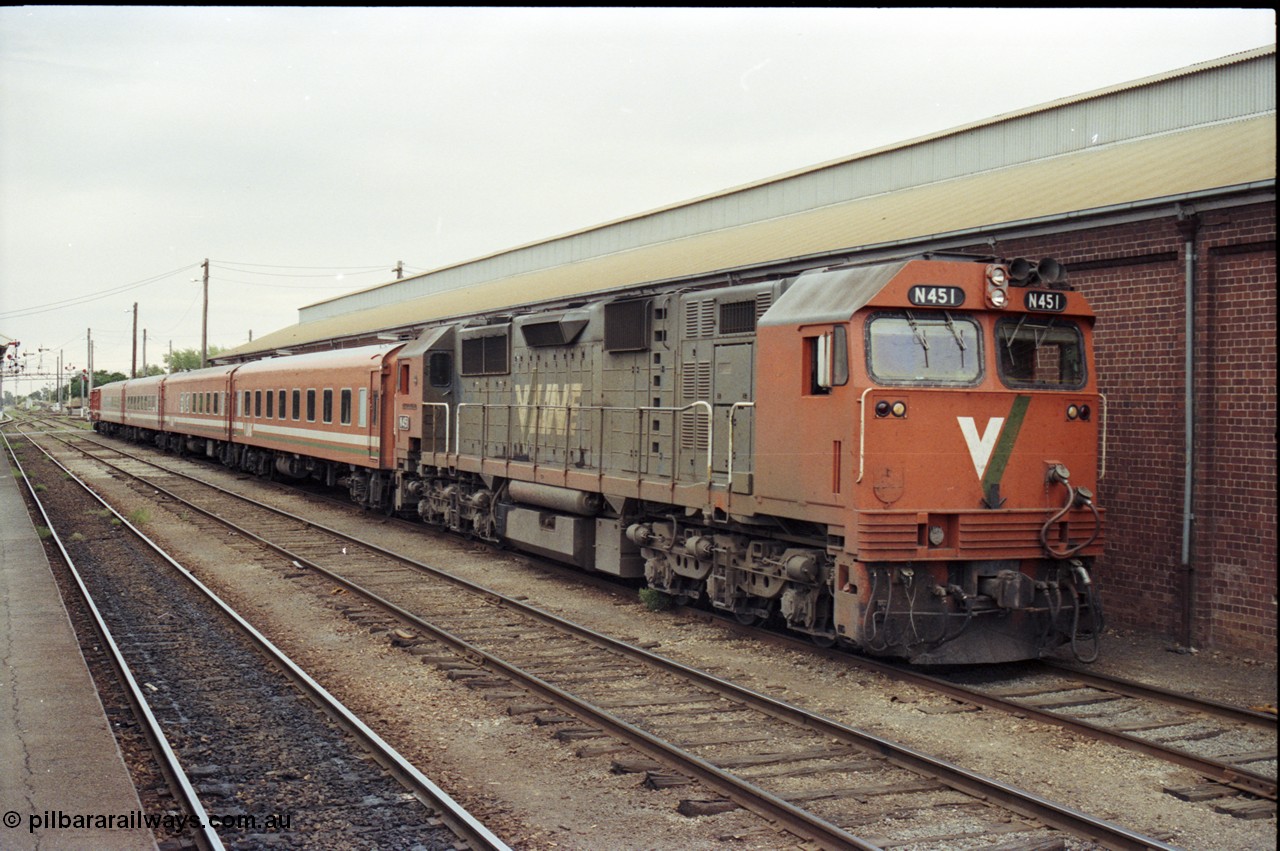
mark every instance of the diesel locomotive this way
{"type": "Point", "coordinates": [901, 457]}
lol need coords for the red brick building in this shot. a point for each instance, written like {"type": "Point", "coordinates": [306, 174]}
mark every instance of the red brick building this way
{"type": "Point", "coordinates": [1221, 590]}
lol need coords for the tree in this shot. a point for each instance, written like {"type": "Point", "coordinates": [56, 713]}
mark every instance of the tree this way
{"type": "Point", "coordinates": [186, 359]}
{"type": "Point", "coordinates": [100, 377]}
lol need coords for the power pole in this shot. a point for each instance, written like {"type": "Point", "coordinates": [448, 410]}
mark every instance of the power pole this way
{"type": "Point", "coordinates": [204, 321]}
{"type": "Point", "coordinates": [133, 371]}
{"type": "Point", "coordinates": [399, 269]}
{"type": "Point", "coordinates": [88, 383]}
{"type": "Point", "coordinates": [144, 352]}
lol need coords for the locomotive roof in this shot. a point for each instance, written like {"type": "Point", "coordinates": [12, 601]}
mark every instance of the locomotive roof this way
{"type": "Point", "coordinates": [829, 296]}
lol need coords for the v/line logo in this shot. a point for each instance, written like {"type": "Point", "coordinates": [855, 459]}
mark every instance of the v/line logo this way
{"type": "Point", "coordinates": [980, 445]}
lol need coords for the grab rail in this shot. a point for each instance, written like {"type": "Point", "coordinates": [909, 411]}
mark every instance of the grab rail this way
{"type": "Point", "coordinates": [603, 411]}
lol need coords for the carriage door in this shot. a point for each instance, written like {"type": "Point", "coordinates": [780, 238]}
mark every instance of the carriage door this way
{"type": "Point", "coordinates": [367, 415]}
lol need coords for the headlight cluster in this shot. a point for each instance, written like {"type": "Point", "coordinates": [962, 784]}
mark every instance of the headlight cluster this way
{"type": "Point", "coordinates": [884, 409]}
{"type": "Point", "coordinates": [997, 287]}
{"type": "Point", "coordinates": [1079, 412]}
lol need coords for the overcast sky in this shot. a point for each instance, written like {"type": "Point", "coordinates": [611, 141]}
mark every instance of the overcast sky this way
{"type": "Point", "coordinates": [306, 151]}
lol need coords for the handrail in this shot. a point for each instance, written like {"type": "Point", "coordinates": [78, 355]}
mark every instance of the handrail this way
{"type": "Point", "coordinates": [603, 411]}
{"type": "Point", "coordinates": [862, 433]}
{"type": "Point", "coordinates": [733, 412]}
{"type": "Point", "coordinates": [710, 427]}
{"type": "Point", "coordinates": [1102, 462]}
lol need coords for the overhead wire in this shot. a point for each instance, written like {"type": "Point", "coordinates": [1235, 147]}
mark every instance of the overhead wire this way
{"type": "Point", "coordinates": [84, 299]}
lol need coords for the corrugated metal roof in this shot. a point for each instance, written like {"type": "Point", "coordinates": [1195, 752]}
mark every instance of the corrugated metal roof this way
{"type": "Point", "coordinates": [1236, 87]}
{"type": "Point", "coordinates": [1105, 176]}
{"type": "Point", "coordinates": [1158, 137]}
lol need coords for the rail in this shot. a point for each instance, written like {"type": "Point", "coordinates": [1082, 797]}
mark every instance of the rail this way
{"type": "Point", "coordinates": [733, 413]}
{"type": "Point", "coordinates": [1102, 462]}
{"type": "Point", "coordinates": [862, 433]}
{"type": "Point", "coordinates": [473, 832]}
{"type": "Point", "coordinates": [179, 782]}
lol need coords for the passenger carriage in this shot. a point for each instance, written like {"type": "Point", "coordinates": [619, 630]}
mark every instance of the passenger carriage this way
{"type": "Point", "coordinates": [321, 414]}
{"type": "Point", "coordinates": [197, 411]}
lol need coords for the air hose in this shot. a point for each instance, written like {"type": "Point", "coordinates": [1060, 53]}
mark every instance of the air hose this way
{"type": "Point", "coordinates": [1076, 497]}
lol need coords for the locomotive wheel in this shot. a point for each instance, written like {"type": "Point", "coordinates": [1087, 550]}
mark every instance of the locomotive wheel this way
{"type": "Point", "coordinates": [748, 618]}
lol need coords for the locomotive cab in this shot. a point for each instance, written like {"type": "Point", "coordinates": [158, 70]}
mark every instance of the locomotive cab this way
{"type": "Point", "coordinates": [958, 445]}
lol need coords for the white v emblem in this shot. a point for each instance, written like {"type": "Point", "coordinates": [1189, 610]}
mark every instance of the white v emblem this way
{"type": "Point", "coordinates": [980, 446]}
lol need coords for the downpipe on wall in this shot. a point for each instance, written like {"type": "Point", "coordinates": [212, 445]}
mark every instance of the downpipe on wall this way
{"type": "Point", "coordinates": [1188, 224]}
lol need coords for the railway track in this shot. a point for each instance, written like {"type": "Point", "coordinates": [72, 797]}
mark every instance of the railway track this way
{"type": "Point", "coordinates": [1233, 748]}
{"type": "Point", "coordinates": [255, 750]}
{"type": "Point", "coordinates": [826, 782]}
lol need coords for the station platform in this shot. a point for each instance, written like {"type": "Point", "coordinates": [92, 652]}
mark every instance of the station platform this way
{"type": "Point", "coordinates": [60, 767]}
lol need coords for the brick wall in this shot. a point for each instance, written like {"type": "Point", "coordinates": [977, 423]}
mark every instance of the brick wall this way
{"type": "Point", "coordinates": [1133, 275]}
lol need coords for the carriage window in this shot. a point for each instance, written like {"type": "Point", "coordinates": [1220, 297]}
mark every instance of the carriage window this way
{"type": "Point", "coordinates": [362, 408]}
{"type": "Point", "coordinates": [311, 406]}
{"type": "Point", "coordinates": [924, 347]}
{"type": "Point", "coordinates": [328, 406]}
{"type": "Point", "coordinates": [282, 405]}
{"type": "Point", "coordinates": [217, 402]}
{"type": "Point", "coordinates": [297, 404]}
{"type": "Point", "coordinates": [1046, 353]}
{"type": "Point", "coordinates": [257, 403]}
{"type": "Point", "coordinates": [344, 407]}
{"type": "Point", "coordinates": [271, 407]}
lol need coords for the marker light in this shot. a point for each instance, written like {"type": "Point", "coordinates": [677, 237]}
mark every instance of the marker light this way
{"type": "Point", "coordinates": [882, 409]}
{"type": "Point", "coordinates": [1072, 412]}
{"type": "Point", "coordinates": [899, 409]}
{"type": "Point", "coordinates": [997, 283]}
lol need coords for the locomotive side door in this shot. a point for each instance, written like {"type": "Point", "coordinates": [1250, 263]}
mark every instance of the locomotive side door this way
{"type": "Point", "coordinates": [804, 416]}
{"type": "Point", "coordinates": [734, 384]}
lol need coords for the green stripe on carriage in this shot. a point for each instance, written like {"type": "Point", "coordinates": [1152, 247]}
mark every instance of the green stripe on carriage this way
{"type": "Point", "coordinates": [362, 451]}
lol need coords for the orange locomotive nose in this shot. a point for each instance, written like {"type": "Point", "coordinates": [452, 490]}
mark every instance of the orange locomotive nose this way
{"type": "Point", "coordinates": [966, 391]}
